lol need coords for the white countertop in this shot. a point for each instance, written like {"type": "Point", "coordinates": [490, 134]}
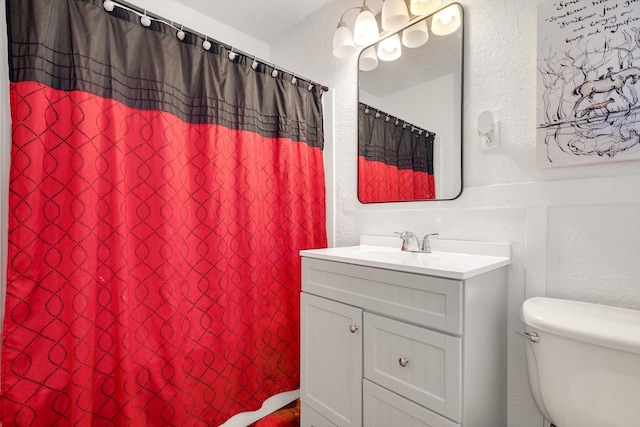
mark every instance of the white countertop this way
{"type": "Point", "coordinates": [452, 259]}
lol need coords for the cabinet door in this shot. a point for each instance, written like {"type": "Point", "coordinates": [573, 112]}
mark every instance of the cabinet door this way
{"type": "Point", "coordinates": [331, 360]}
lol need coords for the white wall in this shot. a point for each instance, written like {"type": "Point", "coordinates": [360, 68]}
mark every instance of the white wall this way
{"type": "Point", "coordinates": [574, 231]}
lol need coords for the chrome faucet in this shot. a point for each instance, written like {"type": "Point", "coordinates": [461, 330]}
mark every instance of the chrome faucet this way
{"type": "Point", "coordinates": [410, 242]}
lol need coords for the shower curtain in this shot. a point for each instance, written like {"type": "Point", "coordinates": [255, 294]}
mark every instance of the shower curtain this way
{"type": "Point", "coordinates": [395, 159]}
{"type": "Point", "coordinates": [159, 195]}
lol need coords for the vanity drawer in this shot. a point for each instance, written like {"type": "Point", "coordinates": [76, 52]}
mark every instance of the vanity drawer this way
{"type": "Point", "coordinates": [310, 418]}
{"type": "Point", "coordinates": [430, 301]}
{"type": "Point", "coordinates": [417, 363]}
{"type": "Point", "coordinates": [383, 408]}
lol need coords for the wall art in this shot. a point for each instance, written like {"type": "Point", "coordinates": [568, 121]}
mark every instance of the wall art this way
{"type": "Point", "coordinates": [588, 82]}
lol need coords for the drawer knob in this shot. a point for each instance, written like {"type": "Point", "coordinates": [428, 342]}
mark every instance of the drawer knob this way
{"type": "Point", "coordinates": [403, 361]}
{"type": "Point", "coordinates": [353, 328]}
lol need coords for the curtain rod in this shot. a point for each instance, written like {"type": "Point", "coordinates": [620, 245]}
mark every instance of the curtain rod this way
{"type": "Point", "coordinates": [388, 117]}
{"type": "Point", "coordinates": [109, 5]}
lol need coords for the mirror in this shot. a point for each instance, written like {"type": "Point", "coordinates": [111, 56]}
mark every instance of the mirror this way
{"type": "Point", "coordinates": [410, 112]}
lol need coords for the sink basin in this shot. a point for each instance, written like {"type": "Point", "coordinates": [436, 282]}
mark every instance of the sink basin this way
{"type": "Point", "coordinates": [449, 264]}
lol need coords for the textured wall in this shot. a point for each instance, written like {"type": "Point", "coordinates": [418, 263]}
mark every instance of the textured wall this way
{"type": "Point", "coordinates": [574, 231]}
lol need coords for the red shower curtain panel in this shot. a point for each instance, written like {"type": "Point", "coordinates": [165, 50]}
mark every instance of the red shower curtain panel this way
{"type": "Point", "coordinates": [395, 162]}
{"type": "Point", "coordinates": [159, 195]}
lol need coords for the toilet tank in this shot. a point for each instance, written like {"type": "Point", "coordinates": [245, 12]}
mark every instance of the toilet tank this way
{"type": "Point", "coordinates": [584, 371]}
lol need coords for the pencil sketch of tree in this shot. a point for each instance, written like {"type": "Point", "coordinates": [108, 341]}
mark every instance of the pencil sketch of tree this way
{"type": "Point", "coordinates": [588, 81]}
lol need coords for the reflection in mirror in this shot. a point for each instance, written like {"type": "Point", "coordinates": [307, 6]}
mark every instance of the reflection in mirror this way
{"type": "Point", "coordinates": [410, 112]}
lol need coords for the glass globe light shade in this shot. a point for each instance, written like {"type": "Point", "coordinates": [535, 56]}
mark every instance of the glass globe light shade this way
{"type": "Point", "coordinates": [394, 15]}
{"type": "Point", "coordinates": [446, 21]}
{"type": "Point", "coordinates": [416, 35]}
{"type": "Point", "coordinates": [424, 7]}
{"type": "Point", "coordinates": [365, 30]}
{"type": "Point", "coordinates": [368, 59]}
{"type": "Point", "coordinates": [390, 48]}
{"type": "Point", "coordinates": [343, 44]}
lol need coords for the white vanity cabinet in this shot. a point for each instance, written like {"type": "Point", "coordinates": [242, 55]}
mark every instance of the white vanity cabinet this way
{"type": "Point", "coordinates": [383, 347]}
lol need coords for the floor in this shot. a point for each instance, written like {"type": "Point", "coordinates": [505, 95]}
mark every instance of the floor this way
{"type": "Point", "coordinates": [288, 416]}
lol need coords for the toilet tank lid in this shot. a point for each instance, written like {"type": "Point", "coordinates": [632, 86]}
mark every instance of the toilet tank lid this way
{"type": "Point", "coordinates": [603, 325]}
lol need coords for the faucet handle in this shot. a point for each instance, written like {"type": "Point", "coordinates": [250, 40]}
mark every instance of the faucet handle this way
{"type": "Point", "coordinates": [406, 237]}
{"type": "Point", "coordinates": [426, 247]}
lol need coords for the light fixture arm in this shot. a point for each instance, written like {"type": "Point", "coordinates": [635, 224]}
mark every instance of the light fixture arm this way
{"type": "Point", "coordinates": [347, 11]}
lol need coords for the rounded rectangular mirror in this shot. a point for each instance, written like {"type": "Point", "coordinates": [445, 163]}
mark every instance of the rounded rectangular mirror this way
{"type": "Point", "coordinates": [410, 111]}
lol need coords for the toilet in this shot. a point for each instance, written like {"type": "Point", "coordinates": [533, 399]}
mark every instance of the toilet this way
{"type": "Point", "coordinates": [583, 362]}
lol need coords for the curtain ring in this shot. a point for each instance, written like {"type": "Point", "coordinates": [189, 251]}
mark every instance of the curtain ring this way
{"type": "Point", "coordinates": [254, 64]}
{"type": "Point", "coordinates": [232, 54]}
{"type": "Point", "coordinates": [310, 87]}
{"type": "Point", "coordinates": [206, 44]}
{"type": "Point", "coordinates": [274, 73]}
{"type": "Point", "coordinates": [294, 80]}
{"type": "Point", "coordinates": [180, 33]}
{"type": "Point", "coordinates": [145, 20]}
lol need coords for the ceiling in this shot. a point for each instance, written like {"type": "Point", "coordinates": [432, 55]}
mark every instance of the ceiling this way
{"type": "Point", "coordinates": [262, 19]}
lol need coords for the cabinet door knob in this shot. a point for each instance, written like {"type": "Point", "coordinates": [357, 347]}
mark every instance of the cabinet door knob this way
{"type": "Point", "coordinates": [353, 328]}
{"type": "Point", "coordinates": [403, 361]}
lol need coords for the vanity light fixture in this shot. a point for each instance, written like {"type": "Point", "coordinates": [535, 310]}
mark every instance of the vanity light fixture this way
{"type": "Point", "coordinates": [365, 30]}
{"type": "Point", "coordinates": [368, 59]}
{"type": "Point", "coordinates": [343, 44]}
{"type": "Point", "coordinates": [416, 35]}
{"type": "Point", "coordinates": [394, 15]}
{"type": "Point", "coordinates": [390, 48]}
{"type": "Point", "coordinates": [424, 7]}
{"type": "Point", "coordinates": [446, 21]}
